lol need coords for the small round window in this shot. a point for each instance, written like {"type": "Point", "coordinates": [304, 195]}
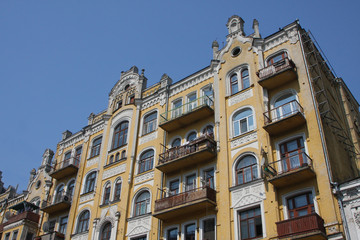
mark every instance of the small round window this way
{"type": "Point", "coordinates": [235, 52]}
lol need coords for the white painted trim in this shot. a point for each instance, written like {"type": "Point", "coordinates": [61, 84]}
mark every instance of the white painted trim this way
{"type": "Point", "coordinates": [173, 138]}
{"type": "Point", "coordinates": [171, 180]}
{"type": "Point", "coordinates": [188, 133]}
{"type": "Point", "coordinates": [77, 219]}
{"type": "Point", "coordinates": [139, 155]}
{"type": "Point", "coordinates": [92, 143]}
{"type": "Point", "coordinates": [236, 161]}
{"type": "Point", "coordinates": [168, 228]}
{"type": "Point", "coordinates": [276, 53]}
{"type": "Point", "coordinates": [282, 93]}
{"type": "Point", "coordinates": [183, 229]}
{"type": "Point", "coordinates": [236, 70]}
{"type": "Point", "coordinates": [231, 122]}
{"type": "Point", "coordinates": [201, 225]}
{"type": "Point", "coordinates": [203, 169]}
{"type": "Point", "coordinates": [140, 191]}
{"type": "Point", "coordinates": [183, 183]}
{"type": "Point", "coordinates": [83, 184]}
{"type": "Point", "coordinates": [142, 121]}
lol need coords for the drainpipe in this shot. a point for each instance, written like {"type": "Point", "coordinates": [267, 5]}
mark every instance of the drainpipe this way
{"type": "Point", "coordinates": [328, 167]}
{"type": "Point", "coordinates": [132, 157]}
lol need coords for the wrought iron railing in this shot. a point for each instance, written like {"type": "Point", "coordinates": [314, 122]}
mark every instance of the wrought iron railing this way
{"type": "Point", "coordinates": [275, 68]}
{"type": "Point", "coordinates": [57, 198]}
{"type": "Point", "coordinates": [63, 164]}
{"type": "Point", "coordinates": [204, 142]}
{"type": "Point", "coordinates": [186, 108]}
{"type": "Point", "coordinates": [291, 108]}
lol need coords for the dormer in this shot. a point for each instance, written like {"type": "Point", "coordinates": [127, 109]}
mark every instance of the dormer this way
{"type": "Point", "coordinates": [235, 25]}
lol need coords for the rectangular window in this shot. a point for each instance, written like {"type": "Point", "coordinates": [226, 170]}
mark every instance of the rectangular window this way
{"type": "Point", "coordinates": [150, 123]}
{"type": "Point", "coordinates": [106, 199]}
{"type": "Point", "coordinates": [301, 205]}
{"type": "Point", "coordinates": [192, 103]}
{"type": "Point", "coordinates": [172, 234]}
{"type": "Point", "coordinates": [67, 159]}
{"type": "Point", "coordinates": [95, 149]}
{"type": "Point", "coordinates": [190, 182]}
{"type": "Point", "coordinates": [63, 224]}
{"type": "Point", "coordinates": [250, 223]}
{"type": "Point", "coordinates": [209, 229]}
{"type": "Point", "coordinates": [15, 234]}
{"type": "Point", "coordinates": [52, 225]}
{"type": "Point", "coordinates": [292, 154]}
{"type": "Point", "coordinates": [174, 187]}
{"type": "Point", "coordinates": [177, 109]}
{"type": "Point", "coordinates": [209, 178]}
{"type": "Point", "coordinates": [7, 236]}
{"type": "Point", "coordinates": [117, 191]}
{"type": "Point", "coordinates": [190, 231]}
{"type": "Point", "coordinates": [77, 156]}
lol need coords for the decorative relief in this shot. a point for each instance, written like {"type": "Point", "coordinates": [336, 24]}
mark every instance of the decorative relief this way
{"type": "Point", "coordinates": [287, 35]}
{"type": "Point", "coordinates": [87, 197]}
{"type": "Point", "coordinates": [240, 97]}
{"type": "Point", "coordinates": [114, 171]}
{"type": "Point", "coordinates": [139, 226]}
{"type": "Point", "coordinates": [92, 161]}
{"type": "Point", "coordinates": [138, 186]}
{"type": "Point", "coordinates": [148, 137]}
{"type": "Point", "coordinates": [243, 140]}
{"type": "Point", "coordinates": [150, 103]}
{"type": "Point", "coordinates": [144, 177]}
{"type": "Point", "coordinates": [72, 140]}
{"type": "Point", "coordinates": [247, 195]}
{"type": "Point", "coordinates": [97, 129]}
{"type": "Point", "coordinates": [187, 83]}
{"type": "Point", "coordinates": [162, 99]}
{"type": "Point", "coordinates": [357, 218]}
{"type": "Point", "coordinates": [80, 236]}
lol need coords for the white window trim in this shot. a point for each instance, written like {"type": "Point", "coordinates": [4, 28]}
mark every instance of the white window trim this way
{"type": "Point", "coordinates": [125, 116]}
{"type": "Point", "coordinates": [237, 159]}
{"type": "Point", "coordinates": [139, 155]}
{"type": "Point", "coordinates": [58, 222]}
{"type": "Point", "coordinates": [171, 227]}
{"type": "Point", "coordinates": [188, 133]}
{"type": "Point", "coordinates": [294, 193]}
{"type": "Point", "coordinates": [244, 208]}
{"type": "Point", "coordinates": [84, 180]}
{"type": "Point", "coordinates": [201, 225]}
{"type": "Point", "coordinates": [107, 183]}
{"type": "Point", "coordinates": [117, 180]}
{"type": "Point", "coordinates": [207, 124]}
{"type": "Point", "coordinates": [231, 122]}
{"type": "Point", "coordinates": [140, 191]}
{"type": "Point", "coordinates": [143, 118]}
{"type": "Point", "coordinates": [77, 220]}
{"type": "Point", "coordinates": [68, 183]}
{"type": "Point", "coordinates": [92, 143]}
{"type": "Point", "coordinates": [183, 229]}
{"type": "Point", "coordinates": [168, 181]}
{"type": "Point", "coordinates": [203, 169]}
{"type": "Point", "coordinates": [173, 138]}
{"type": "Point", "coordinates": [183, 183]}
{"type": "Point", "coordinates": [237, 70]}
{"type": "Point", "coordinates": [274, 54]}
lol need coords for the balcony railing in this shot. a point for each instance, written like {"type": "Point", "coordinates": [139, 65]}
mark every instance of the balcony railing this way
{"type": "Point", "coordinates": [57, 202]}
{"type": "Point", "coordinates": [51, 236]}
{"type": "Point", "coordinates": [185, 202]}
{"type": "Point", "coordinates": [296, 167]}
{"type": "Point", "coordinates": [65, 168]}
{"type": "Point", "coordinates": [27, 215]}
{"type": "Point", "coordinates": [308, 225]}
{"type": "Point", "coordinates": [283, 111]}
{"type": "Point", "coordinates": [200, 149]}
{"type": "Point", "coordinates": [203, 106]}
{"type": "Point", "coordinates": [277, 73]}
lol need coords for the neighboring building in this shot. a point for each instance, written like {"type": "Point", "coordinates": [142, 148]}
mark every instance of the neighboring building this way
{"type": "Point", "coordinates": [250, 147]}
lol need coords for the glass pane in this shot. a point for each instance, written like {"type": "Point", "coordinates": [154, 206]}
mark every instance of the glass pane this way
{"type": "Point", "coordinates": [302, 212]}
{"type": "Point", "coordinates": [243, 125]}
{"type": "Point", "coordinates": [258, 226]}
{"type": "Point", "coordinates": [209, 229]}
{"type": "Point", "coordinates": [236, 128]}
{"type": "Point", "coordinates": [252, 228]}
{"type": "Point", "coordinates": [172, 234]}
{"type": "Point", "coordinates": [244, 230]}
{"type": "Point", "coordinates": [301, 201]}
{"type": "Point", "coordinates": [247, 174]}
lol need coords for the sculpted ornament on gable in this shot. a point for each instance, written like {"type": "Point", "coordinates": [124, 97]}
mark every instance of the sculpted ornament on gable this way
{"type": "Point", "coordinates": [144, 177]}
{"type": "Point", "coordinates": [243, 140]}
{"type": "Point", "coordinates": [148, 137]}
{"type": "Point", "coordinates": [240, 97]}
{"type": "Point", "coordinates": [247, 195]}
{"type": "Point", "coordinates": [138, 226]}
{"type": "Point", "coordinates": [114, 171]}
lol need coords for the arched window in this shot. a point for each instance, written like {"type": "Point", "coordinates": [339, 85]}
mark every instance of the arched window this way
{"type": "Point", "coordinates": [142, 203]}
{"type": "Point", "coordinates": [176, 142]}
{"type": "Point", "coordinates": [70, 188]}
{"type": "Point", "coordinates": [284, 106]}
{"type": "Point", "coordinates": [208, 130]}
{"type": "Point", "coordinates": [243, 121]}
{"type": "Point", "coordinates": [234, 83]}
{"type": "Point", "coordinates": [191, 136]}
{"type": "Point", "coordinates": [149, 123]}
{"type": "Point", "coordinates": [117, 192]}
{"type": "Point", "coordinates": [120, 135]}
{"type": "Point", "coordinates": [59, 193]}
{"type": "Point", "coordinates": [245, 81]}
{"type": "Point", "coordinates": [123, 154]}
{"type": "Point", "coordinates": [237, 85]}
{"type": "Point", "coordinates": [117, 157]}
{"type": "Point", "coordinates": [276, 58]}
{"type": "Point", "coordinates": [83, 222]}
{"type": "Point", "coordinates": [146, 161]}
{"type": "Point", "coordinates": [106, 231]}
{"type": "Point", "coordinates": [106, 196]}
{"type": "Point", "coordinates": [90, 182]}
{"type": "Point", "coordinates": [95, 148]}
{"type": "Point", "coordinates": [246, 170]}
{"type": "Point", "coordinates": [111, 159]}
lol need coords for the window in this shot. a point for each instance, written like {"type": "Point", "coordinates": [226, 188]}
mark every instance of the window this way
{"type": "Point", "coordinates": [250, 223]}
{"type": "Point", "coordinates": [70, 188]}
{"type": "Point", "coordinates": [139, 238]}
{"type": "Point", "coordinates": [146, 161]}
{"type": "Point", "coordinates": [106, 197]}
{"type": "Point", "coordinates": [284, 106]}
{"type": "Point", "coordinates": [59, 193]}
{"type": "Point", "coordinates": [67, 159]}
{"type": "Point", "coordinates": [176, 143]}
{"type": "Point", "coordinates": [234, 84]}
{"type": "Point", "coordinates": [172, 234]}
{"type": "Point", "coordinates": [190, 231]}
{"type": "Point", "coordinates": [208, 130]}
{"type": "Point", "coordinates": [90, 182]}
{"type": "Point", "coordinates": [142, 203]}
{"type": "Point", "coordinates": [7, 236]}
{"type": "Point", "coordinates": [52, 225]}
{"type": "Point", "coordinates": [62, 224]}
{"type": "Point", "coordinates": [244, 83]}
{"type": "Point", "coordinates": [15, 234]}
{"type": "Point", "coordinates": [111, 159]}
{"type": "Point", "coordinates": [277, 58]}
{"type": "Point", "coordinates": [120, 135]}
{"type": "Point", "coordinates": [208, 95]}
{"type": "Point", "coordinates": [106, 232]}
{"type": "Point", "coordinates": [83, 222]}
{"type": "Point", "coordinates": [190, 183]}
{"type": "Point", "coordinates": [300, 205]}
{"type": "Point", "coordinates": [209, 178]}
{"type": "Point", "coordinates": [132, 99]}
{"type": "Point", "coordinates": [119, 104]}
{"type": "Point", "coordinates": [191, 102]}
{"type": "Point", "coordinates": [191, 136]}
{"type": "Point", "coordinates": [149, 123]}
{"type": "Point", "coordinates": [209, 229]}
{"type": "Point", "coordinates": [174, 187]}
{"type": "Point", "coordinates": [77, 156]}
{"type": "Point", "coordinates": [29, 236]}
{"type": "Point", "coordinates": [246, 170]}
{"type": "Point", "coordinates": [117, 157]}
{"type": "Point", "coordinates": [117, 192]}
{"type": "Point", "coordinates": [292, 154]}
{"type": "Point", "coordinates": [243, 122]}
{"type": "Point", "coordinates": [95, 149]}
{"type": "Point", "coordinates": [123, 154]}
{"type": "Point", "coordinates": [177, 108]}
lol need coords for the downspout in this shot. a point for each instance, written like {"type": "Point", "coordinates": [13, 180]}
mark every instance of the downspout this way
{"type": "Point", "coordinates": [132, 157]}
{"type": "Point", "coordinates": [328, 167]}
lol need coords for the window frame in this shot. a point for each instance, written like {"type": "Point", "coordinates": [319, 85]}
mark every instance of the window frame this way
{"type": "Point", "coordinates": [152, 122]}
{"type": "Point", "coordinates": [239, 121]}
{"type": "Point", "coordinates": [83, 221]}
{"type": "Point", "coordinates": [120, 133]}
{"type": "Point", "coordinates": [95, 149]}
{"type": "Point", "coordinates": [117, 190]}
{"type": "Point", "coordinates": [106, 194]}
{"type": "Point", "coordinates": [260, 216]}
{"type": "Point", "coordinates": [146, 163]}
{"type": "Point", "coordinates": [282, 52]}
{"type": "Point", "coordinates": [176, 111]}
{"type": "Point", "coordinates": [237, 82]}
{"type": "Point", "coordinates": [143, 204]}
{"type": "Point", "coordinates": [63, 226]}
{"type": "Point", "coordinates": [252, 167]}
{"type": "Point", "coordinates": [89, 185]}
{"type": "Point", "coordinates": [202, 227]}
{"type": "Point", "coordinates": [105, 235]}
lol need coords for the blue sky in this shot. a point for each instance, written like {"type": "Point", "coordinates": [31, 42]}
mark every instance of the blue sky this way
{"type": "Point", "coordinates": [60, 59]}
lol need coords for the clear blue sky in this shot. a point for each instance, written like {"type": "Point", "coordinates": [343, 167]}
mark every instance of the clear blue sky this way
{"type": "Point", "coordinates": [59, 59]}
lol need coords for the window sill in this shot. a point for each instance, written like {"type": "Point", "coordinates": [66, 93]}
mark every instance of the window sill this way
{"type": "Point", "coordinates": [258, 180]}
{"type": "Point", "coordinates": [117, 148]}
{"type": "Point", "coordinates": [139, 216]}
{"type": "Point", "coordinates": [90, 158]}
{"type": "Point", "coordinates": [143, 173]}
{"type": "Point", "coordinates": [144, 134]}
{"type": "Point", "coordinates": [87, 193]}
{"type": "Point", "coordinates": [110, 203]}
{"type": "Point", "coordinates": [243, 134]}
{"type": "Point", "coordinates": [114, 163]}
{"type": "Point", "coordinates": [241, 91]}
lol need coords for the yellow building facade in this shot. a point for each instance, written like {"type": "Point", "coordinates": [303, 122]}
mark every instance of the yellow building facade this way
{"type": "Point", "coordinates": [250, 147]}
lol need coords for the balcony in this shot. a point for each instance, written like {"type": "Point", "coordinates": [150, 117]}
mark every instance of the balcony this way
{"type": "Point", "coordinates": [277, 74]}
{"type": "Point", "coordinates": [197, 151]}
{"type": "Point", "coordinates": [24, 216]}
{"type": "Point", "coordinates": [59, 202]}
{"type": "Point", "coordinates": [185, 203]}
{"type": "Point", "coordinates": [187, 114]}
{"type": "Point", "coordinates": [284, 118]}
{"type": "Point", "coordinates": [295, 168]}
{"type": "Point", "coordinates": [51, 236]}
{"type": "Point", "coordinates": [65, 168]}
{"type": "Point", "coordinates": [305, 227]}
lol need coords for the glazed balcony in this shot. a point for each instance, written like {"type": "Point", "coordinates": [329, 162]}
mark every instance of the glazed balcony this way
{"type": "Point", "coordinates": [24, 216]}
{"type": "Point", "coordinates": [187, 114]}
{"type": "Point", "coordinates": [188, 202]}
{"type": "Point", "coordinates": [65, 168]}
{"type": "Point", "coordinates": [277, 74]}
{"type": "Point", "coordinates": [284, 118]}
{"type": "Point", "coordinates": [51, 236]}
{"type": "Point", "coordinates": [59, 202]}
{"type": "Point", "coordinates": [305, 227]}
{"type": "Point", "coordinates": [197, 151]}
{"type": "Point", "coordinates": [295, 168]}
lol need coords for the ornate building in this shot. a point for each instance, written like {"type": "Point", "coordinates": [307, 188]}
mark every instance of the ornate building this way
{"type": "Point", "coordinates": [251, 147]}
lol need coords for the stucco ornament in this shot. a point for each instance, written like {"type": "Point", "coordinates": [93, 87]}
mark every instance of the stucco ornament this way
{"type": "Point", "coordinates": [357, 217]}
